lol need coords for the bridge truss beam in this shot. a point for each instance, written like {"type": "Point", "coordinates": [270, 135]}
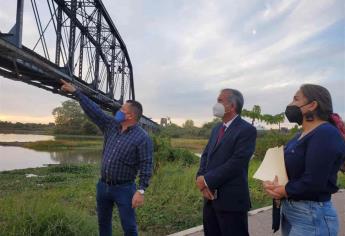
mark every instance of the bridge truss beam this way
{"type": "Point", "coordinates": [77, 41]}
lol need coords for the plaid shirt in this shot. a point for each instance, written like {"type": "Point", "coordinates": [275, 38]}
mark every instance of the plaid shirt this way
{"type": "Point", "coordinates": [124, 154]}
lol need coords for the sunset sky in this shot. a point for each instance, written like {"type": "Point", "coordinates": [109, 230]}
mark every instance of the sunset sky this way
{"type": "Point", "coordinates": [184, 51]}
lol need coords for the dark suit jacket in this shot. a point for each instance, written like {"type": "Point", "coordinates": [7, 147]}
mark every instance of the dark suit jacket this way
{"type": "Point", "coordinates": [225, 166]}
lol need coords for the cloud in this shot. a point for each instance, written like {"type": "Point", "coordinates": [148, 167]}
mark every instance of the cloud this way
{"type": "Point", "coordinates": [22, 102]}
{"type": "Point", "coordinates": [184, 52]}
{"type": "Point", "coordinates": [27, 119]}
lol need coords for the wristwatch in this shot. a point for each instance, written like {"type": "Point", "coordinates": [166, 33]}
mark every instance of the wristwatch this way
{"type": "Point", "coordinates": [141, 191]}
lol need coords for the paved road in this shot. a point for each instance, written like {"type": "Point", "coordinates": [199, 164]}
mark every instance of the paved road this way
{"type": "Point", "coordinates": [260, 223]}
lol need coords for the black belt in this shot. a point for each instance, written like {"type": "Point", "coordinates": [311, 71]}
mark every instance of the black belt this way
{"type": "Point", "coordinates": [115, 182]}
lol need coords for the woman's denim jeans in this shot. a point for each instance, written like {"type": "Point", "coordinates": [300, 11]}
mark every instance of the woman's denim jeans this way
{"type": "Point", "coordinates": [309, 218]}
{"type": "Point", "coordinates": [121, 195]}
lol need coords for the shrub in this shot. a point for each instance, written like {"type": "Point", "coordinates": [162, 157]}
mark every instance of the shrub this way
{"type": "Point", "coordinates": [268, 140]}
{"type": "Point", "coordinates": [42, 217]}
{"type": "Point", "coordinates": [184, 156]}
{"type": "Point", "coordinates": [164, 152]}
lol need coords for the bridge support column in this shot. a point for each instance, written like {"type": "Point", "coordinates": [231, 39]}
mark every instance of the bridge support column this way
{"type": "Point", "coordinates": [123, 80]}
{"type": "Point", "coordinates": [72, 37]}
{"type": "Point", "coordinates": [19, 23]}
{"type": "Point", "coordinates": [58, 36]}
{"type": "Point", "coordinates": [112, 69]}
{"type": "Point", "coordinates": [98, 49]}
{"type": "Point", "coordinates": [15, 34]}
{"type": "Point", "coordinates": [81, 56]}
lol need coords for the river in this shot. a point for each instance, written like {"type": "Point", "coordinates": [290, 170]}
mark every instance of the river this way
{"type": "Point", "coordinates": [21, 158]}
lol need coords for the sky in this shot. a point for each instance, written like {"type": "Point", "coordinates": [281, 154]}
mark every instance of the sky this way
{"type": "Point", "coordinates": [185, 51]}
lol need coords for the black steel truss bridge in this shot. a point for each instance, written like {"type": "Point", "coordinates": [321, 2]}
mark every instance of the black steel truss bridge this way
{"type": "Point", "coordinates": [74, 40]}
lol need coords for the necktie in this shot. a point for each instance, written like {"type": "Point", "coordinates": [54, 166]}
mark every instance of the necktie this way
{"type": "Point", "coordinates": [220, 134]}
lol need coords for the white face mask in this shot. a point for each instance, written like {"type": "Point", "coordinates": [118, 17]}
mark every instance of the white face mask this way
{"type": "Point", "coordinates": [218, 110]}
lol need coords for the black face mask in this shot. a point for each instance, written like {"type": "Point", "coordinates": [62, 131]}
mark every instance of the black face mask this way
{"type": "Point", "coordinates": [294, 114]}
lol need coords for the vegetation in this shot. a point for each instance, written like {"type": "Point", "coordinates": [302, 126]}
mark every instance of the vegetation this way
{"type": "Point", "coordinates": [61, 199]}
{"type": "Point", "coordinates": [265, 140]}
{"type": "Point", "coordinates": [32, 128]}
{"type": "Point", "coordinates": [271, 139]}
{"type": "Point", "coordinates": [62, 202]}
{"type": "Point", "coordinates": [194, 145]}
{"type": "Point", "coordinates": [189, 130]}
{"type": "Point", "coordinates": [70, 119]}
{"type": "Point", "coordinates": [255, 114]}
{"type": "Point", "coordinates": [66, 144]}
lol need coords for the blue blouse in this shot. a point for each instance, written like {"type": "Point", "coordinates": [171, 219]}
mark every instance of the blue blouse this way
{"type": "Point", "coordinates": [312, 163]}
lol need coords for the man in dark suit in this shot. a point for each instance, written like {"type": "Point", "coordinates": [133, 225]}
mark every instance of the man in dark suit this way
{"type": "Point", "coordinates": [223, 174]}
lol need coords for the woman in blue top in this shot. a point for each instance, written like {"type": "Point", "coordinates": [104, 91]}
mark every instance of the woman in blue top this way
{"type": "Point", "coordinates": [312, 158]}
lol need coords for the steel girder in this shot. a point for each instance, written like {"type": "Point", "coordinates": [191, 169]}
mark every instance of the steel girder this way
{"type": "Point", "coordinates": [88, 52]}
{"type": "Point", "coordinates": [95, 26]}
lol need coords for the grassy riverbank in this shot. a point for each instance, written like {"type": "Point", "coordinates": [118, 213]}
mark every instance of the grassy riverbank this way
{"type": "Point", "coordinates": [61, 199]}
{"type": "Point", "coordinates": [64, 144]}
{"type": "Point", "coordinates": [194, 145]}
{"type": "Point", "coordinates": [58, 145]}
{"type": "Point", "coordinates": [95, 142]}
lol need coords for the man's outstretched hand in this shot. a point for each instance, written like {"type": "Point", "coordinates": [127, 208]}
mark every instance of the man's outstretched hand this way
{"type": "Point", "coordinates": [67, 87]}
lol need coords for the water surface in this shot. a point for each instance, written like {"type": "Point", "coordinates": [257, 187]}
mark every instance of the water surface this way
{"type": "Point", "coordinates": [12, 157]}
{"type": "Point", "coordinates": [24, 137]}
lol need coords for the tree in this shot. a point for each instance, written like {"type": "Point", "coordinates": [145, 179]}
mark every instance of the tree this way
{"type": "Point", "coordinates": [172, 130]}
{"type": "Point", "coordinates": [268, 119]}
{"type": "Point", "coordinates": [89, 128]}
{"type": "Point", "coordinates": [189, 124]}
{"type": "Point", "coordinates": [279, 118]}
{"type": "Point", "coordinates": [189, 129]}
{"type": "Point", "coordinates": [70, 119]}
{"type": "Point", "coordinates": [205, 130]}
{"type": "Point", "coordinates": [254, 114]}
{"type": "Point", "coordinates": [273, 119]}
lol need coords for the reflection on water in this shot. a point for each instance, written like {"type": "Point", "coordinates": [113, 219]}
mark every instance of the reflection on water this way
{"type": "Point", "coordinates": [76, 156]}
{"type": "Point", "coordinates": [20, 158]}
{"type": "Point", "coordinates": [24, 137]}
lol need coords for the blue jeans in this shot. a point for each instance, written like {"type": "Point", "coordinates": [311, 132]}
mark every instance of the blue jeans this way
{"type": "Point", "coordinates": [121, 195]}
{"type": "Point", "coordinates": [301, 218]}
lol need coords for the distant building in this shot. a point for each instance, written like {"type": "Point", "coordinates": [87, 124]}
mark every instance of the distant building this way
{"type": "Point", "coordinates": [260, 127]}
{"type": "Point", "coordinates": [165, 121]}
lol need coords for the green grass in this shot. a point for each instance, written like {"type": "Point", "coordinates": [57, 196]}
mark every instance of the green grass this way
{"type": "Point", "coordinates": [194, 145]}
{"type": "Point", "coordinates": [173, 203]}
{"type": "Point", "coordinates": [78, 137]}
{"type": "Point", "coordinates": [341, 180]}
{"type": "Point", "coordinates": [62, 200]}
{"type": "Point", "coordinates": [59, 202]}
{"type": "Point", "coordinates": [65, 144]}
{"type": "Point", "coordinates": [257, 193]}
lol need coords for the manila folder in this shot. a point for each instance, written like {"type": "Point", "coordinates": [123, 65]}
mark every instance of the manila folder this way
{"type": "Point", "coordinates": [273, 165]}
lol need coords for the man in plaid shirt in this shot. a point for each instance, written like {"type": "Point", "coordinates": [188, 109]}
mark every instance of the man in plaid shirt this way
{"type": "Point", "coordinates": [127, 150]}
